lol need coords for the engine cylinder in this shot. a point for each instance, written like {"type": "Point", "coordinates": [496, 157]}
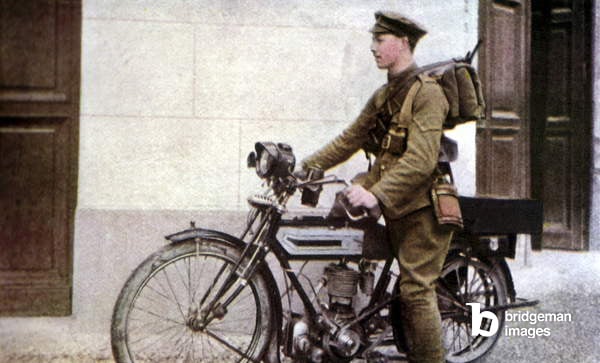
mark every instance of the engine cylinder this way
{"type": "Point", "coordinates": [341, 281]}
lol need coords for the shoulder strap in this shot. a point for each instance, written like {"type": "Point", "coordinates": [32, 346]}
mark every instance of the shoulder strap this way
{"type": "Point", "coordinates": [430, 67]}
{"type": "Point", "coordinates": [407, 103]}
{"type": "Point", "coordinates": [400, 94]}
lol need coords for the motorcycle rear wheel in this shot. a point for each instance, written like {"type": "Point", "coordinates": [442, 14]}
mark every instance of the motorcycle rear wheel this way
{"type": "Point", "coordinates": [463, 280]}
{"type": "Point", "coordinates": [469, 280]}
{"type": "Point", "coordinates": [153, 319]}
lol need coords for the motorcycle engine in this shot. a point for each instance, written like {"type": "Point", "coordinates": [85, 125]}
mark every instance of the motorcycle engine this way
{"type": "Point", "coordinates": [342, 286]}
{"type": "Point", "coordinates": [340, 343]}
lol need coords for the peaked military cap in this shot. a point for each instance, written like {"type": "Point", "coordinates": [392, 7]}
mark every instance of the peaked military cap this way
{"type": "Point", "coordinates": [397, 24]}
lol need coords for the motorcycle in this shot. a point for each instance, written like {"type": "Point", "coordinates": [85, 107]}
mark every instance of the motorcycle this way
{"type": "Point", "coordinates": [208, 296]}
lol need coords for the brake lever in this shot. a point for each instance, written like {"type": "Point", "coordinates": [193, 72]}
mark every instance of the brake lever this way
{"type": "Point", "coordinates": [330, 179]}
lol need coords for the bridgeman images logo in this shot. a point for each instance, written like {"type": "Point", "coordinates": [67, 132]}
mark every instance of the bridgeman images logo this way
{"type": "Point", "coordinates": [477, 318]}
{"type": "Point", "coordinates": [492, 322]}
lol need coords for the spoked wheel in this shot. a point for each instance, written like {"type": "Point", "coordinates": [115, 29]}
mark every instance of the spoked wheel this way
{"type": "Point", "coordinates": [163, 313]}
{"type": "Point", "coordinates": [469, 280]}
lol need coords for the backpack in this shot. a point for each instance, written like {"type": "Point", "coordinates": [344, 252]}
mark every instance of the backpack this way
{"type": "Point", "coordinates": [461, 85]}
{"type": "Point", "coordinates": [462, 88]}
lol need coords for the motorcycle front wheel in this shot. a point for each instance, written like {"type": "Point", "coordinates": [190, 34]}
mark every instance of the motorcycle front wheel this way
{"type": "Point", "coordinates": [160, 314]}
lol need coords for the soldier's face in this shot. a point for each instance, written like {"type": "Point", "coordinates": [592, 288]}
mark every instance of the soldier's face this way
{"type": "Point", "coordinates": [386, 49]}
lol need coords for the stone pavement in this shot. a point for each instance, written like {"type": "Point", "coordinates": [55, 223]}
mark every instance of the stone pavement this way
{"type": "Point", "coordinates": [564, 282]}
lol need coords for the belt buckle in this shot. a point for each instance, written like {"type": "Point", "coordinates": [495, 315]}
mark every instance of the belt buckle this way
{"type": "Point", "coordinates": [386, 142]}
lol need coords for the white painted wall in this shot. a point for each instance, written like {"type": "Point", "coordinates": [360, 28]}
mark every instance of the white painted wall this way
{"type": "Point", "coordinates": [175, 93]}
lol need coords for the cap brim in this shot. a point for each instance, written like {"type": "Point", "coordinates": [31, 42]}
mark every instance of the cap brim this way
{"type": "Point", "coordinates": [378, 29]}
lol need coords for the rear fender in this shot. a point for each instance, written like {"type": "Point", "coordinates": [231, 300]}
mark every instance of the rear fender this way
{"type": "Point", "coordinates": [510, 286]}
{"type": "Point", "coordinates": [496, 262]}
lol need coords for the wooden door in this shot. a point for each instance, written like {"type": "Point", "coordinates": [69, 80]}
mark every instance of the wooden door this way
{"type": "Point", "coordinates": [39, 117]}
{"type": "Point", "coordinates": [503, 137]}
{"type": "Point", "coordinates": [561, 118]}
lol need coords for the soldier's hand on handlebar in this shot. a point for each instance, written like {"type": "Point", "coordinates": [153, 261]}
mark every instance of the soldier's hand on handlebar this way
{"type": "Point", "coordinates": [360, 197]}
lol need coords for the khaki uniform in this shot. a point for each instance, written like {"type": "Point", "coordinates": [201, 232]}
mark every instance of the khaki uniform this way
{"type": "Point", "coordinates": [401, 180]}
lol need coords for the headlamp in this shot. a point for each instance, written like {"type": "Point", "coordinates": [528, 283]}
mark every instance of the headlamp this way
{"type": "Point", "coordinates": [272, 159]}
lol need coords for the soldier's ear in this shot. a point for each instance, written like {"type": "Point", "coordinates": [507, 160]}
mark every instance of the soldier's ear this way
{"type": "Point", "coordinates": [405, 43]}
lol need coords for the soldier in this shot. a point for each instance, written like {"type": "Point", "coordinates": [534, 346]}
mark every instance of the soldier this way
{"type": "Point", "coordinates": [402, 125]}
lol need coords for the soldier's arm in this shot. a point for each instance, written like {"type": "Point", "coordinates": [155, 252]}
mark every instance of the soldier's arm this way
{"type": "Point", "coordinates": [348, 142]}
{"type": "Point", "coordinates": [417, 164]}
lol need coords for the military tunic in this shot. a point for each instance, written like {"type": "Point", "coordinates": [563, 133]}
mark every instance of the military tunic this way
{"type": "Point", "coordinates": [401, 179]}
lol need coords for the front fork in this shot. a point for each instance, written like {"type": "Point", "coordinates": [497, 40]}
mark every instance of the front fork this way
{"type": "Point", "coordinates": [254, 252]}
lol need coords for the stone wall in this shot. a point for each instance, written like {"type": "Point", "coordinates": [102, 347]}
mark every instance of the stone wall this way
{"type": "Point", "coordinates": [175, 93]}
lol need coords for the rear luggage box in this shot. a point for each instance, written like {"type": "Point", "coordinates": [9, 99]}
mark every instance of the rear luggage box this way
{"type": "Point", "coordinates": [493, 217]}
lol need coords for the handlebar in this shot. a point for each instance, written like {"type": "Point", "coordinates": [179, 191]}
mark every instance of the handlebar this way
{"type": "Point", "coordinates": [355, 218]}
{"type": "Point", "coordinates": [341, 204]}
{"type": "Point", "coordinates": [330, 179]}
{"type": "Point", "coordinates": [341, 207]}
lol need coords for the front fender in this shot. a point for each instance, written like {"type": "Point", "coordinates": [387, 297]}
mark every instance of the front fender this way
{"type": "Point", "coordinates": [205, 233]}
{"type": "Point", "coordinates": [275, 296]}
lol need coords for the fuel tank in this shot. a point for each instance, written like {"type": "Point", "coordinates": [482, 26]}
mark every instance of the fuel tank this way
{"type": "Point", "coordinates": [323, 238]}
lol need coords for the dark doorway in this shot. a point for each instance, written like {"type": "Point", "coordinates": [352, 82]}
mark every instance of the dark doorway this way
{"type": "Point", "coordinates": [561, 119]}
{"type": "Point", "coordinates": [39, 132]}
{"type": "Point", "coordinates": [535, 140]}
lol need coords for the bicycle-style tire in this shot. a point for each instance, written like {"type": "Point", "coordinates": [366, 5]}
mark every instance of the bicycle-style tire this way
{"type": "Point", "coordinates": [462, 280]}
{"type": "Point", "coordinates": [151, 318]}
{"type": "Point", "coordinates": [470, 280]}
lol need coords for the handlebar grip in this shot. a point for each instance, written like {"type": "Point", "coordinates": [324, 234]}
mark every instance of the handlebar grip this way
{"type": "Point", "coordinates": [354, 213]}
{"type": "Point", "coordinates": [343, 208]}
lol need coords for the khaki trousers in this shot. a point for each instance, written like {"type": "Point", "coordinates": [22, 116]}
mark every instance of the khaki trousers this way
{"type": "Point", "coordinates": [421, 245]}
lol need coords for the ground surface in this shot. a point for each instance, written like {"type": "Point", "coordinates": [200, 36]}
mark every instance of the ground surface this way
{"type": "Point", "coordinates": [564, 282]}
